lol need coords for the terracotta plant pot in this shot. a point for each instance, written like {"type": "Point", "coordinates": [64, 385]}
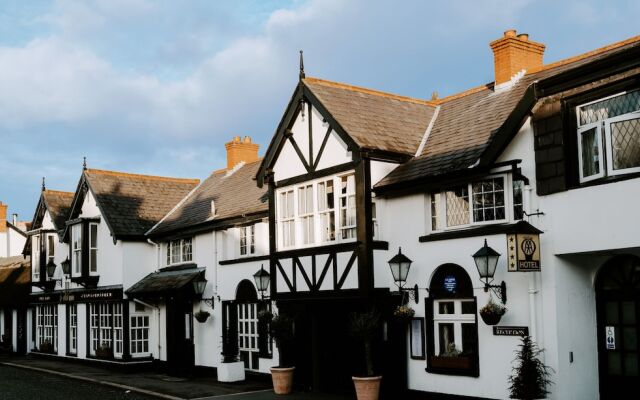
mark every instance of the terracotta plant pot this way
{"type": "Point", "coordinates": [491, 318]}
{"type": "Point", "coordinates": [367, 388]}
{"type": "Point", "coordinates": [282, 380]}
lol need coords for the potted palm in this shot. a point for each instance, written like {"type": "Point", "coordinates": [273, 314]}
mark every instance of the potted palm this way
{"type": "Point", "coordinates": [492, 312]}
{"type": "Point", "coordinates": [364, 327]}
{"type": "Point", "coordinates": [530, 376]}
{"type": "Point", "coordinates": [282, 331]}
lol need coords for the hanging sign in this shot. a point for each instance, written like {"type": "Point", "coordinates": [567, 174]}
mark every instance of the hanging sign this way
{"type": "Point", "coordinates": [610, 337]}
{"type": "Point", "coordinates": [511, 331]}
{"type": "Point", "coordinates": [523, 252]}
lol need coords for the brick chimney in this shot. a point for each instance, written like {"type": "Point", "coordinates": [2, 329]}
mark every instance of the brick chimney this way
{"type": "Point", "coordinates": [513, 53]}
{"type": "Point", "coordinates": [239, 150]}
{"type": "Point", "coordinates": [3, 217]}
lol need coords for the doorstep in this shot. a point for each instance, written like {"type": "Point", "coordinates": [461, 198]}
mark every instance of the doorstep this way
{"type": "Point", "coordinates": [150, 382]}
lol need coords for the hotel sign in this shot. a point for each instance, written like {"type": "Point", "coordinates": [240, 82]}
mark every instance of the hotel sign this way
{"type": "Point", "coordinates": [510, 331]}
{"type": "Point", "coordinates": [523, 252]}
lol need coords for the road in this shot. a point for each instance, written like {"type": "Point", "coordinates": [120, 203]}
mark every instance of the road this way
{"type": "Point", "coordinates": [18, 384]}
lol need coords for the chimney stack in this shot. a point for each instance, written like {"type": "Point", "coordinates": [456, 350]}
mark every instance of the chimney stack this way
{"type": "Point", "coordinates": [513, 53]}
{"type": "Point", "coordinates": [239, 150]}
{"type": "Point", "coordinates": [3, 217]}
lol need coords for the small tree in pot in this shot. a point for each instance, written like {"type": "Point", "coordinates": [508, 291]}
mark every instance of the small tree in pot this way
{"type": "Point", "coordinates": [230, 347]}
{"type": "Point", "coordinates": [282, 331]}
{"type": "Point", "coordinates": [530, 376]}
{"type": "Point", "coordinates": [364, 327]}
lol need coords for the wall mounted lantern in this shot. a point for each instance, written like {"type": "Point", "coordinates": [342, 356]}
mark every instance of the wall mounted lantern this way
{"type": "Point", "coordinates": [486, 260]}
{"type": "Point", "coordinates": [199, 286]}
{"type": "Point", "coordinates": [66, 266]}
{"type": "Point", "coordinates": [262, 279]}
{"type": "Point", "coordinates": [400, 265]}
{"type": "Point", "coordinates": [51, 269]}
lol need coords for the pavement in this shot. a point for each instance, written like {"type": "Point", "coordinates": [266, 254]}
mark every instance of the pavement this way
{"type": "Point", "coordinates": [127, 385]}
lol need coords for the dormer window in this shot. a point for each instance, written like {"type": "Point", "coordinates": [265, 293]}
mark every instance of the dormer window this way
{"type": "Point", "coordinates": [247, 240]}
{"type": "Point", "coordinates": [609, 136]}
{"type": "Point", "coordinates": [179, 251]}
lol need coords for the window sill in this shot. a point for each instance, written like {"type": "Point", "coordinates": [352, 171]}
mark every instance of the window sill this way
{"type": "Point", "coordinates": [483, 230]}
{"type": "Point", "coordinates": [459, 366]}
{"type": "Point", "coordinates": [606, 179]}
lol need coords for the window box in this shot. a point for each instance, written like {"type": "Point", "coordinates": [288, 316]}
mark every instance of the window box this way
{"type": "Point", "coordinates": [454, 363]}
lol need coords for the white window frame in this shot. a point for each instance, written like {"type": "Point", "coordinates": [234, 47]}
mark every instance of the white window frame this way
{"type": "Point", "coordinates": [118, 329]}
{"type": "Point", "coordinates": [73, 328]}
{"type": "Point", "coordinates": [76, 249]}
{"type": "Point", "coordinates": [51, 248]}
{"type": "Point", "coordinates": [457, 319]}
{"type": "Point", "coordinates": [441, 205]}
{"type": "Point", "coordinates": [35, 257]}
{"type": "Point", "coordinates": [47, 325]}
{"type": "Point", "coordinates": [606, 164]}
{"type": "Point", "coordinates": [324, 215]}
{"type": "Point", "coordinates": [288, 220]}
{"type": "Point", "coordinates": [93, 266]}
{"type": "Point", "coordinates": [609, 143]}
{"type": "Point", "coordinates": [248, 236]}
{"type": "Point", "coordinates": [347, 196]}
{"type": "Point", "coordinates": [306, 217]}
{"type": "Point", "coordinates": [182, 257]}
{"type": "Point", "coordinates": [137, 337]}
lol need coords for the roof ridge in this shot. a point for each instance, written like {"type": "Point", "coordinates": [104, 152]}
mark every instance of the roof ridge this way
{"type": "Point", "coordinates": [142, 176]}
{"type": "Point", "coordinates": [369, 91]}
{"type": "Point", "coordinates": [58, 192]}
{"type": "Point", "coordinates": [486, 86]}
{"type": "Point", "coordinates": [569, 60]}
{"type": "Point", "coordinates": [223, 170]}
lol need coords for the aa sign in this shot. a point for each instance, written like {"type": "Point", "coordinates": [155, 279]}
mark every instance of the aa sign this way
{"type": "Point", "coordinates": [523, 252]}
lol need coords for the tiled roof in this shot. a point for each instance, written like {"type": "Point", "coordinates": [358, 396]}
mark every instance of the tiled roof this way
{"type": "Point", "coordinates": [467, 121]}
{"type": "Point", "coordinates": [59, 205]}
{"type": "Point", "coordinates": [15, 279]}
{"type": "Point", "coordinates": [373, 119]}
{"type": "Point", "coordinates": [234, 194]}
{"type": "Point", "coordinates": [130, 203]}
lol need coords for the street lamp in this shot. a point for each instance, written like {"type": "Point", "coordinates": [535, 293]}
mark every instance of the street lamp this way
{"type": "Point", "coordinates": [199, 286]}
{"type": "Point", "coordinates": [400, 265]}
{"type": "Point", "coordinates": [486, 260]}
{"type": "Point", "coordinates": [262, 279]}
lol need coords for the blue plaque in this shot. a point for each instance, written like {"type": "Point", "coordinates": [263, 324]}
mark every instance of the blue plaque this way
{"type": "Point", "coordinates": [450, 283]}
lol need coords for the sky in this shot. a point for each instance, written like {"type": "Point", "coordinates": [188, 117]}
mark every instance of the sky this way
{"type": "Point", "coordinates": [158, 87]}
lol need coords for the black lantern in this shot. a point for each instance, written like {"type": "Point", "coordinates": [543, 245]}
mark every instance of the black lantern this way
{"type": "Point", "coordinates": [66, 266]}
{"type": "Point", "coordinates": [262, 279]}
{"type": "Point", "coordinates": [400, 265]}
{"type": "Point", "coordinates": [486, 260]}
{"type": "Point", "coordinates": [51, 269]}
{"type": "Point", "coordinates": [199, 286]}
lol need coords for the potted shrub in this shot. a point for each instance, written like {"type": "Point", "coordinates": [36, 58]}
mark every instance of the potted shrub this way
{"type": "Point", "coordinates": [364, 327]}
{"type": "Point", "coordinates": [403, 314]}
{"type": "Point", "coordinates": [104, 351]}
{"type": "Point", "coordinates": [46, 347]}
{"type": "Point", "coordinates": [492, 312]}
{"type": "Point", "coordinates": [231, 369]}
{"type": "Point", "coordinates": [202, 316]}
{"type": "Point", "coordinates": [282, 332]}
{"type": "Point", "coordinates": [530, 376]}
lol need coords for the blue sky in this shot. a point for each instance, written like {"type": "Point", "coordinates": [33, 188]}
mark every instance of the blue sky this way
{"type": "Point", "coordinates": [159, 86]}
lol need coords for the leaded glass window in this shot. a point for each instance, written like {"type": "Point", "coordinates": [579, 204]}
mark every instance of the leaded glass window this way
{"type": "Point", "coordinates": [488, 200]}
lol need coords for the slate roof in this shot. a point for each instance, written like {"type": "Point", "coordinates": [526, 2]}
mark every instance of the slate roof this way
{"type": "Point", "coordinates": [131, 203]}
{"type": "Point", "coordinates": [15, 279]}
{"type": "Point", "coordinates": [235, 193]}
{"type": "Point", "coordinates": [466, 122]}
{"type": "Point", "coordinates": [59, 205]}
{"type": "Point", "coordinates": [373, 119]}
{"type": "Point", "coordinates": [167, 281]}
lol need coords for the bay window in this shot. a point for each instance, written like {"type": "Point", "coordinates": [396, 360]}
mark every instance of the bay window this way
{"type": "Point", "coordinates": [72, 328]}
{"type": "Point", "coordinates": [106, 329]}
{"type": "Point", "coordinates": [287, 219]}
{"type": "Point", "coordinates": [35, 257]}
{"type": "Point", "coordinates": [348, 207]}
{"type": "Point", "coordinates": [76, 248]}
{"type": "Point", "coordinates": [93, 247]}
{"type": "Point", "coordinates": [305, 213]}
{"type": "Point", "coordinates": [51, 249]}
{"type": "Point", "coordinates": [247, 240]}
{"type": "Point", "coordinates": [326, 211]}
{"type": "Point", "coordinates": [609, 136]}
{"type": "Point", "coordinates": [490, 200]}
{"type": "Point", "coordinates": [179, 251]}
{"type": "Point", "coordinates": [47, 328]}
{"type": "Point", "coordinates": [140, 335]}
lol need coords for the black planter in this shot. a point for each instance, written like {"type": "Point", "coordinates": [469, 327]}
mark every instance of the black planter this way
{"type": "Point", "coordinates": [491, 318]}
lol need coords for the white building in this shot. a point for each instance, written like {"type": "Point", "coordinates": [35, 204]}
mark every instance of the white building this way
{"type": "Point", "coordinates": [12, 234]}
{"type": "Point", "coordinates": [547, 149]}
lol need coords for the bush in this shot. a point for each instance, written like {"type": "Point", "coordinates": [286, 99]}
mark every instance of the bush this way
{"type": "Point", "coordinates": [364, 327]}
{"type": "Point", "coordinates": [282, 332]}
{"type": "Point", "coordinates": [530, 376]}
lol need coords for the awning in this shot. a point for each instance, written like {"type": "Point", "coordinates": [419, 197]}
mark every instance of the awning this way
{"type": "Point", "coordinates": [168, 281]}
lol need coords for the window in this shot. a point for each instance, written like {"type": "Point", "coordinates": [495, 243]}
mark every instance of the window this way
{"type": "Point", "coordinates": [348, 207]}
{"type": "Point", "coordinates": [248, 334]}
{"type": "Point", "coordinates": [179, 251]}
{"type": "Point", "coordinates": [72, 311]}
{"type": "Point", "coordinates": [305, 213]}
{"type": "Point", "coordinates": [35, 257]}
{"type": "Point", "coordinates": [106, 329]}
{"type": "Point", "coordinates": [93, 247]}
{"type": "Point", "coordinates": [139, 335]}
{"type": "Point", "coordinates": [453, 331]}
{"type": "Point", "coordinates": [76, 248]}
{"type": "Point", "coordinates": [47, 328]}
{"type": "Point", "coordinates": [247, 240]}
{"type": "Point", "coordinates": [326, 210]}
{"type": "Point", "coordinates": [51, 249]}
{"type": "Point", "coordinates": [609, 136]}
{"type": "Point", "coordinates": [494, 199]}
{"type": "Point", "coordinates": [287, 219]}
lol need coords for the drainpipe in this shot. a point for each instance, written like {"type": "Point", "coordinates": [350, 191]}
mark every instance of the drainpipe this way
{"type": "Point", "coordinates": [158, 320]}
{"type": "Point", "coordinates": [531, 275]}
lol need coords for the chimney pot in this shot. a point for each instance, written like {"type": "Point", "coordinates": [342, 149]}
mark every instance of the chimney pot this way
{"type": "Point", "coordinates": [523, 36]}
{"type": "Point", "coordinates": [510, 33]}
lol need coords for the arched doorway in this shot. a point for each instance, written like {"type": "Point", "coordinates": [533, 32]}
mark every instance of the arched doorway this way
{"type": "Point", "coordinates": [618, 314]}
